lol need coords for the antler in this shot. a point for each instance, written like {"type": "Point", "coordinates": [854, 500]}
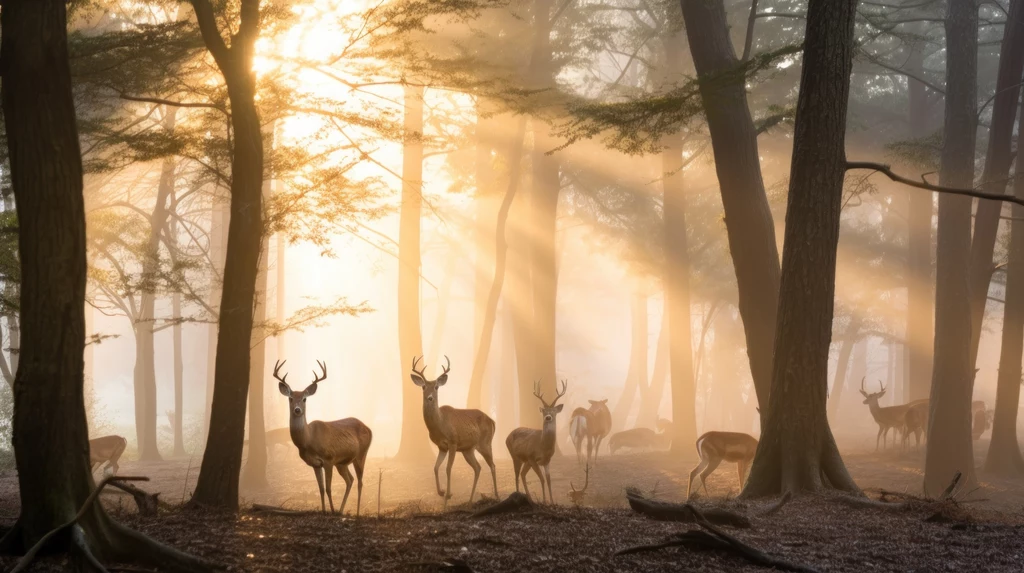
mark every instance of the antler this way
{"type": "Point", "coordinates": [420, 371]}
{"type": "Point", "coordinates": [862, 383]}
{"type": "Point", "coordinates": [558, 395]}
{"type": "Point", "coordinates": [318, 378]}
{"type": "Point", "coordinates": [539, 394]}
{"type": "Point", "coordinates": [448, 367]}
{"type": "Point", "coordinates": [277, 368]}
{"type": "Point", "coordinates": [880, 386]}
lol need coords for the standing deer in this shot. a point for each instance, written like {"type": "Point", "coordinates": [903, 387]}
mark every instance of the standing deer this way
{"type": "Point", "coordinates": [915, 421]}
{"type": "Point", "coordinates": [602, 423]}
{"type": "Point", "coordinates": [581, 424]}
{"type": "Point", "coordinates": [716, 447]}
{"type": "Point", "coordinates": [891, 417]}
{"type": "Point", "coordinates": [532, 449]}
{"type": "Point", "coordinates": [107, 449]}
{"type": "Point", "coordinates": [326, 445]}
{"type": "Point", "coordinates": [454, 430]}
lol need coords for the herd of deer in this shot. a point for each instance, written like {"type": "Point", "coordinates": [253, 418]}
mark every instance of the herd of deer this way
{"type": "Point", "coordinates": [325, 446]}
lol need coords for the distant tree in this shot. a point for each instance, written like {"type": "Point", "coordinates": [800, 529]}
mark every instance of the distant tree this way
{"type": "Point", "coordinates": [797, 452]}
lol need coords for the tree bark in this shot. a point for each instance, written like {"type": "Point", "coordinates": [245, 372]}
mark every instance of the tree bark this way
{"type": "Point", "coordinates": [797, 452]}
{"type": "Point", "coordinates": [1004, 457]}
{"type": "Point", "coordinates": [950, 448]}
{"type": "Point", "coordinates": [850, 338]}
{"type": "Point", "coordinates": [217, 485]}
{"type": "Point", "coordinates": [749, 224]}
{"type": "Point", "coordinates": [50, 432]}
{"type": "Point", "coordinates": [997, 167]}
{"type": "Point", "coordinates": [254, 474]}
{"type": "Point", "coordinates": [521, 298]}
{"type": "Point", "coordinates": [414, 444]}
{"type": "Point", "coordinates": [219, 217]}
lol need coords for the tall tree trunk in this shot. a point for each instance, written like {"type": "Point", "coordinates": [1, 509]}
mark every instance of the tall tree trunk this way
{"type": "Point", "coordinates": [677, 297]}
{"type": "Point", "coordinates": [217, 485]}
{"type": "Point", "coordinates": [950, 448]}
{"type": "Point", "coordinates": [637, 370]}
{"type": "Point", "coordinates": [650, 399]}
{"type": "Point", "coordinates": [521, 298]}
{"type": "Point", "coordinates": [997, 167]}
{"type": "Point", "coordinates": [50, 432]}
{"type": "Point", "coordinates": [506, 409]}
{"type": "Point", "coordinates": [219, 217]}
{"type": "Point", "coordinates": [486, 208]}
{"type": "Point", "coordinates": [749, 224]}
{"type": "Point", "coordinates": [850, 337]}
{"type": "Point", "coordinates": [413, 443]}
{"type": "Point", "coordinates": [254, 474]}
{"type": "Point", "coordinates": [797, 452]}
{"type": "Point", "coordinates": [1004, 457]}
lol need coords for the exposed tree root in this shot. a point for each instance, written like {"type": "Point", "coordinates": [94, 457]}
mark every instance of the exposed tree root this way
{"type": "Point", "coordinates": [516, 501]}
{"type": "Point", "coordinates": [778, 506]}
{"type": "Point", "coordinates": [146, 502]}
{"type": "Point", "coordinates": [682, 512]}
{"type": "Point", "coordinates": [715, 539]}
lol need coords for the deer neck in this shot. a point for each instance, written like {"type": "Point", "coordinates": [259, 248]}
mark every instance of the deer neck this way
{"type": "Point", "coordinates": [876, 410]}
{"type": "Point", "coordinates": [299, 430]}
{"type": "Point", "coordinates": [432, 415]}
{"type": "Point", "coordinates": [547, 436]}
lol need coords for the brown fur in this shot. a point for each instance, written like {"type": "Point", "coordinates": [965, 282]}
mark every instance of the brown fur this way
{"type": "Point", "coordinates": [602, 423]}
{"type": "Point", "coordinates": [636, 438]}
{"type": "Point", "coordinates": [887, 418]}
{"type": "Point", "coordinates": [107, 449]}
{"type": "Point", "coordinates": [716, 447]}
{"type": "Point", "coordinates": [533, 449]}
{"type": "Point", "coordinates": [915, 421]}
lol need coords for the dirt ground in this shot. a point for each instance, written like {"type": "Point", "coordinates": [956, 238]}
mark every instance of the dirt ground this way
{"type": "Point", "coordinates": [410, 532]}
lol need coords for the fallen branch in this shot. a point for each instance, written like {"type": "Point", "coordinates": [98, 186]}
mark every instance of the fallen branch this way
{"type": "Point", "coordinates": [26, 560]}
{"type": "Point", "coordinates": [715, 539]}
{"type": "Point", "coordinates": [887, 171]}
{"type": "Point", "coordinates": [145, 501]}
{"type": "Point", "coordinates": [275, 510]}
{"type": "Point", "coordinates": [682, 512]}
{"type": "Point", "coordinates": [514, 502]}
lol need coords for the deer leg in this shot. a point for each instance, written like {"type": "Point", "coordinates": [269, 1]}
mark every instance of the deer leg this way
{"type": "Point", "coordinates": [523, 470]}
{"type": "Point", "coordinates": [712, 465]}
{"type": "Point", "coordinates": [437, 466]}
{"type": "Point", "coordinates": [347, 476]}
{"type": "Point", "coordinates": [359, 464]}
{"type": "Point", "coordinates": [448, 472]}
{"type": "Point", "coordinates": [471, 460]}
{"type": "Point", "coordinates": [540, 476]}
{"type": "Point", "coordinates": [319, 472]}
{"type": "Point", "coordinates": [329, 470]}
{"type": "Point", "coordinates": [516, 466]}
{"type": "Point", "coordinates": [693, 473]}
{"type": "Point", "coordinates": [547, 476]}
{"type": "Point", "coordinates": [741, 469]}
{"type": "Point", "coordinates": [489, 458]}
{"type": "Point", "coordinates": [878, 437]}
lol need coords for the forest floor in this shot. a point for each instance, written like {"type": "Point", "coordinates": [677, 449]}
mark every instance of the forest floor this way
{"type": "Point", "coordinates": [411, 533]}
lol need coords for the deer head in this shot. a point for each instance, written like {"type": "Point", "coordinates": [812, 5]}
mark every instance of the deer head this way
{"type": "Point", "coordinates": [429, 386]}
{"type": "Point", "coordinates": [872, 398]}
{"type": "Point", "coordinates": [549, 410]}
{"type": "Point", "coordinates": [297, 400]}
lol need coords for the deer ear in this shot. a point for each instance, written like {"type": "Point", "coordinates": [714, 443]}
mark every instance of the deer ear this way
{"type": "Point", "coordinates": [309, 391]}
{"type": "Point", "coordinates": [441, 380]}
{"type": "Point", "coordinates": [593, 402]}
{"type": "Point", "coordinates": [417, 380]}
{"type": "Point", "coordinates": [284, 389]}
{"type": "Point", "coordinates": [558, 408]}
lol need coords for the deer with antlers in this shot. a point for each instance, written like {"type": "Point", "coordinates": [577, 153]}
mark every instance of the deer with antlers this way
{"type": "Point", "coordinates": [454, 430]}
{"type": "Point", "coordinates": [326, 445]}
{"type": "Point", "coordinates": [714, 448]}
{"type": "Point", "coordinates": [888, 418]}
{"type": "Point", "coordinates": [533, 449]}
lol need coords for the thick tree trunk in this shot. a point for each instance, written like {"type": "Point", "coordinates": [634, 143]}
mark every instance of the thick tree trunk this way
{"type": "Point", "coordinates": [850, 337]}
{"type": "Point", "coordinates": [414, 444]}
{"type": "Point", "coordinates": [50, 433]}
{"type": "Point", "coordinates": [219, 217]}
{"type": "Point", "coordinates": [997, 166]}
{"type": "Point", "coordinates": [1004, 457]}
{"type": "Point", "coordinates": [217, 485]}
{"type": "Point", "coordinates": [797, 452]}
{"type": "Point", "coordinates": [636, 373]}
{"type": "Point", "coordinates": [254, 474]}
{"type": "Point", "coordinates": [749, 223]}
{"type": "Point", "coordinates": [677, 297]}
{"type": "Point", "coordinates": [486, 207]}
{"type": "Point", "coordinates": [950, 448]}
{"type": "Point", "coordinates": [521, 297]}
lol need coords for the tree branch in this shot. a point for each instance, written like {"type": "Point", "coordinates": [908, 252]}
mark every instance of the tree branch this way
{"type": "Point", "coordinates": [885, 170]}
{"type": "Point", "coordinates": [211, 35]}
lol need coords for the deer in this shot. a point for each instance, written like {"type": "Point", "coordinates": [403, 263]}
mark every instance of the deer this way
{"type": "Point", "coordinates": [591, 424]}
{"type": "Point", "coordinates": [454, 430]}
{"type": "Point", "coordinates": [714, 448]}
{"type": "Point", "coordinates": [325, 446]}
{"type": "Point", "coordinates": [915, 421]}
{"type": "Point", "coordinates": [532, 449]}
{"type": "Point", "coordinates": [891, 417]}
{"type": "Point", "coordinates": [576, 496]}
{"type": "Point", "coordinates": [108, 450]}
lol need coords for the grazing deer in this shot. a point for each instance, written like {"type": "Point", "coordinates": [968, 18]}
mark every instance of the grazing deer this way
{"type": "Point", "coordinates": [454, 430]}
{"type": "Point", "coordinates": [915, 421]}
{"type": "Point", "coordinates": [716, 447]}
{"type": "Point", "coordinates": [636, 438]}
{"type": "Point", "coordinates": [532, 449]}
{"type": "Point", "coordinates": [326, 445]}
{"type": "Point", "coordinates": [891, 417]}
{"type": "Point", "coordinates": [576, 496]}
{"type": "Point", "coordinates": [107, 449]}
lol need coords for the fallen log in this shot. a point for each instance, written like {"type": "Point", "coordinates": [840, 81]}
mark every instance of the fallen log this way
{"type": "Point", "coordinates": [682, 512]}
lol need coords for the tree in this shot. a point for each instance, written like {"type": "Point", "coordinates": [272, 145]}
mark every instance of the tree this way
{"type": "Point", "coordinates": [217, 485]}
{"type": "Point", "coordinates": [1004, 455]}
{"type": "Point", "coordinates": [50, 430]}
{"type": "Point", "coordinates": [950, 448]}
{"type": "Point", "coordinates": [797, 452]}
{"type": "Point", "coordinates": [749, 223]}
